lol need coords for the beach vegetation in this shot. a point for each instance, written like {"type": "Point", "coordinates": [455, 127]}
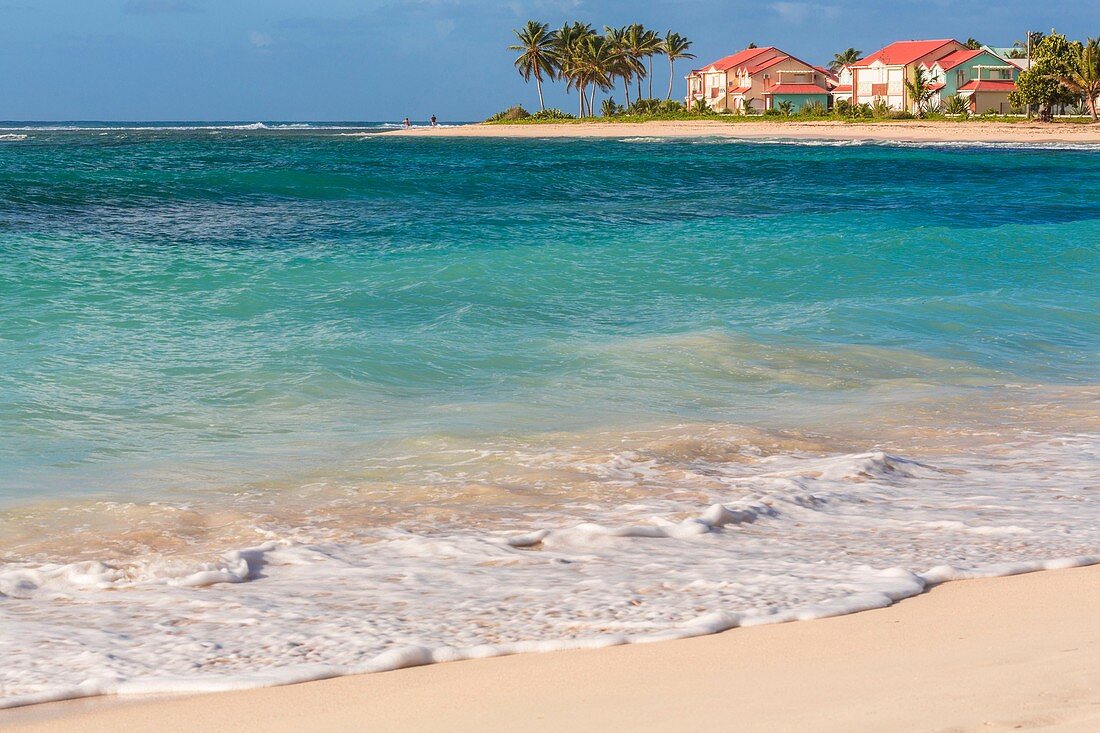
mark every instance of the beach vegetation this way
{"type": "Point", "coordinates": [785, 108]}
{"type": "Point", "coordinates": [590, 63]}
{"type": "Point", "coordinates": [974, 44]}
{"type": "Point", "coordinates": [675, 48]}
{"type": "Point", "coordinates": [813, 109]}
{"type": "Point", "coordinates": [920, 90]}
{"type": "Point", "coordinates": [608, 108]}
{"type": "Point", "coordinates": [515, 112]}
{"type": "Point", "coordinates": [956, 106]}
{"type": "Point", "coordinates": [879, 108]}
{"type": "Point", "coordinates": [552, 114]}
{"type": "Point", "coordinates": [847, 57]}
{"type": "Point", "coordinates": [538, 54]}
{"type": "Point", "coordinates": [1043, 85]}
{"type": "Point", "coordinates": [1083, 74]}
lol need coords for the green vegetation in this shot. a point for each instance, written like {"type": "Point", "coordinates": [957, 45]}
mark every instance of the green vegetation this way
{"type": "Point", "coordinates": [847, 57]}
{"type": "Point", "coordinates": [1063, 74]}
{"type": "Point", "coordinates": [920, 91]}
{"type": "Point", "coordinates": [590, 63]}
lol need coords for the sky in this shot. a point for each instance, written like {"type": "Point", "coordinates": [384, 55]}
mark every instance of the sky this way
{"type": "Point", "coordinates": [329, 60]}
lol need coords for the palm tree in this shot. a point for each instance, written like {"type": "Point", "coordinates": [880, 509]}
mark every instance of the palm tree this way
{"type": "Point", "coordinates": [675, 47]}
{"type": "Point", "coordinates": [627, 65]}
{"type": "Point", "coordinates": [919, 90]}
{"type": "Point", "coordinates": [568, 39]}
{"type": "Point", "coordinates": [596, 59]}
{"type": "Point", "coordinates": [537, 54]}
{"type": "Point", "coordinates": [973, 44]}
{"type": "Point", "coordinates": [847, 57]}
{"type": "Point", "coordinates": [1083, 74]}
{"type": "Point", "coordinates": [786, 107]}
{"type": "Point", "coordinates": [655, 46]}
{"type": "Point", "coordinates": [638, 44]}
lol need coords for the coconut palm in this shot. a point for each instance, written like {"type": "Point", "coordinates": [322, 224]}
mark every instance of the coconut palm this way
{"type": "Point", "coordinates": [538, 55]}
{"type": "Point", "coordinates": [786, 107]}
{"type": "Point", "coordinates": [920, 90]}
{"type": "Point", "coordinates": [847, 57]}
{"type": "Point", "coordinates": [654, 46]}
{"type": "Point", "coordinates": [596, 59]}
{"type": "Point", "coordinates": [638, 44]}
{"type": "Point", "coordinates": [627, 65]}
{"type": "Point", "coordinates": [568, 39]}
{"type": "Point", "coordinates": [675, 47]}
{"type": "Point", "coordinates": [1083, 73]}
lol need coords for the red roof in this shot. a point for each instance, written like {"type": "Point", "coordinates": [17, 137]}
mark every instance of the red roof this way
{"type": "Point", "coordinates": [797, 89]}
{"type": "Point", "coordinates": [953, 59]}
{"type": "Point", "coordinates": [828, 74]}
{"type": "Point", "coordinates": [905, 52]}
{"type": "Point", "coordinates": [740, 90]}
{"type": "Point", "coordinates": [988, 85]}
{"type": "Point", "coordinates": [739, 58]}
{"type": "Point", "coordinates": [768, 63]}
{"type": "Point", "coordinates": [936, 86]}
{"type": "Point", "coordinates": [843, 88]}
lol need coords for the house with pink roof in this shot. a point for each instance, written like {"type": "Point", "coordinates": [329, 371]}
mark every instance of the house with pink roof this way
{"type": "Point", "coordinates": [882, 75]}
{"type": "Point", "coordinates": [758, 79]}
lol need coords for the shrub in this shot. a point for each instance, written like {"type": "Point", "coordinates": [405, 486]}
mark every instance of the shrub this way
{"type": "Point", "coordinates": [671, 105]}
{"type": "Point", "coordinates": [609, 108]}
{"type": "Point", "coordinates": [957, 106]}
{"type": "Point", "coordinates": [516, 112]}
{"type": "Point", "coordinates": [813, 109]}
{"type": "Point", "coordinates": [880, 108]}
{"type": "Point", "coordinates": [772, 112]}
{"type": "Point", "coordinates": [552, 114]}
{"type": "Point", "coordinates": [901, 116]}
{"type": "Point", "coordinates": [844, 108]}
{"type": "Point", "coordinates": [785, 107]}
{"type": "Point", "coordinates": [863, 110]}
{"type": "Point", "coordinates": [701, 107]}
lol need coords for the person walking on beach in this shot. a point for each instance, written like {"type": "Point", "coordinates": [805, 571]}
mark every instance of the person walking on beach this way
{"type": "Point", "coordinates": [433, 120]}
{"type": "Point", "coordinates": [406, 123]}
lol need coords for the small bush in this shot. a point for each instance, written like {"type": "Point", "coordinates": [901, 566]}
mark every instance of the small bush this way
{"type": "Point", "coordinates": [900, 116]}
{"type": "Point", "coordinates": [843, 108]}
{"type": "Point", "coordinates": [880, 108]}
{"type": "Point", "coordinates": [772, 112]}
{"type": "Point", "coordinates": [813, 109]}
{"type": "Point", "coordinates": [551, 114]}
{"type": "Point", "coordinates": [516, 112]}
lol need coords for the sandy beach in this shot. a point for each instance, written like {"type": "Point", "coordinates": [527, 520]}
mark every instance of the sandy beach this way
{"type": "Point", "coordinates": [903, 131]}
{"type": "Point", "coordinates": [992, 654]}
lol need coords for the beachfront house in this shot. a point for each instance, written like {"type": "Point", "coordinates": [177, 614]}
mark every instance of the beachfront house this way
{"type": "Point", "coordinates": [842, 91]}
{"type": "Point", "coordinates": [882, 75]}
{"type": "Point", "coordinates": [981, 77]}
{"type": "Point", "coordinates": [758, 79]}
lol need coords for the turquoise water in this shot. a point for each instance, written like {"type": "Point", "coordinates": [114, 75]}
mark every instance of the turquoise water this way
{"type": "Point", "coordinates": [282, 404]}
{"type": "Point", "coordinates": [181, 309]}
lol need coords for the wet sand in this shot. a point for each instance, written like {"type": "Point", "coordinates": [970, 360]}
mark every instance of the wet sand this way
{"type": "Point", "coordinates": [996, 654]}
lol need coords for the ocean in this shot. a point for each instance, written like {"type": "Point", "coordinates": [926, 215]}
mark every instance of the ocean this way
{"type": "Point", "coordinates": [281, 402]}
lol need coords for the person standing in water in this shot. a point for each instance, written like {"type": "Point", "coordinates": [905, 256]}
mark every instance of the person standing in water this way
{"type": "Point", "coordinates": [433, 120]}
{"type": "Point", "coordinates": [406, 123]}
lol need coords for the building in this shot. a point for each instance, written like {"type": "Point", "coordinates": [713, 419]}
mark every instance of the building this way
{"type": "Point", "coordinates": [760, 79]}
{"type": "Point", "coordinates": [842, 91]}
{"type": "Point", "coordinates": [979, 76]}
{"type": "Point", "coordinates": [882, 75]}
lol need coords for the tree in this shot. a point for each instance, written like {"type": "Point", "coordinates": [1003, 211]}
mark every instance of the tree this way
{"type": "Point", "coordinates": [1041, 84]}
{"type": "Point", "coordinates": [675, 47]}
{"type": "Point", "coordinates": [640, 44]}
{"type": "Point", "coordinates": [569, 38]}
{"type": "Point", "coordinates": [919, 90]}
{"type": "Point", "coordinates": [847, 57]}
{"type": "Point", "coordinates": [785, 107]}
{"type": "Point", "coordinates": [627, 65]}
{"type": "Point", "coordinates": [957, 106]}
{"type": "Point", "coordinates": [973, 44]}
{"type": "Point", "coordinates": [538, 54]}
{"type": "Point", "coordinates": [1083, 73]}
{"type": "Point", "coordinates": [594, 64]}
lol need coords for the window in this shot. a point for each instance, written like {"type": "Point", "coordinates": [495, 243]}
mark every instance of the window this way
{"type": "Point", "coordinates": [960, 78]}
{"type": "Point", "coordinates": [1006, 74]}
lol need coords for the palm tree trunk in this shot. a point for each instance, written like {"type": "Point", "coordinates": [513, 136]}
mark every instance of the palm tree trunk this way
{"type": "Point", "coordinates": [580, 93]}
{"type": "Point", "coordinates": [671, 76]}
{"type": "Point", "coordinates": [651, 77]}
{"type": "Point", "coordinates": [538, 83]}
{"type": "Point", "coordinates": [626, 89]}
{"type": "Point", "coordinates": [592, 102]}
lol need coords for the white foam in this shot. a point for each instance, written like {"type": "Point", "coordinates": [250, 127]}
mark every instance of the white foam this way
{"type": "Point", "coordinates": [703, 548]}
{"type": "Point", "coordinates": [12, 137]}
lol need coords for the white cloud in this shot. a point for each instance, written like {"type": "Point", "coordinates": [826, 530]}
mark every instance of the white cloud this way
{"type": "Point", "coordinates": [260, 40]}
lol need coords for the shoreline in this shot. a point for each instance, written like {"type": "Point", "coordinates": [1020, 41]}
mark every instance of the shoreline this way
{"type": "Point", "coordinates": [992, 653]}
{"type": "Point", "coordinates": [892, 131]}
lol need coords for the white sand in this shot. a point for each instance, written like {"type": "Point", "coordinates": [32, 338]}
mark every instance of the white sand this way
{"type": "Point", "coordinates": [905, 130]}
{"type": "Point", "coordinates": [988, 655]}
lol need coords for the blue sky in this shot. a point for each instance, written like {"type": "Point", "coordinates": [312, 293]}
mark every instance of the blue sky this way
{"type": "Point", "coordinates": [385, 59]}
